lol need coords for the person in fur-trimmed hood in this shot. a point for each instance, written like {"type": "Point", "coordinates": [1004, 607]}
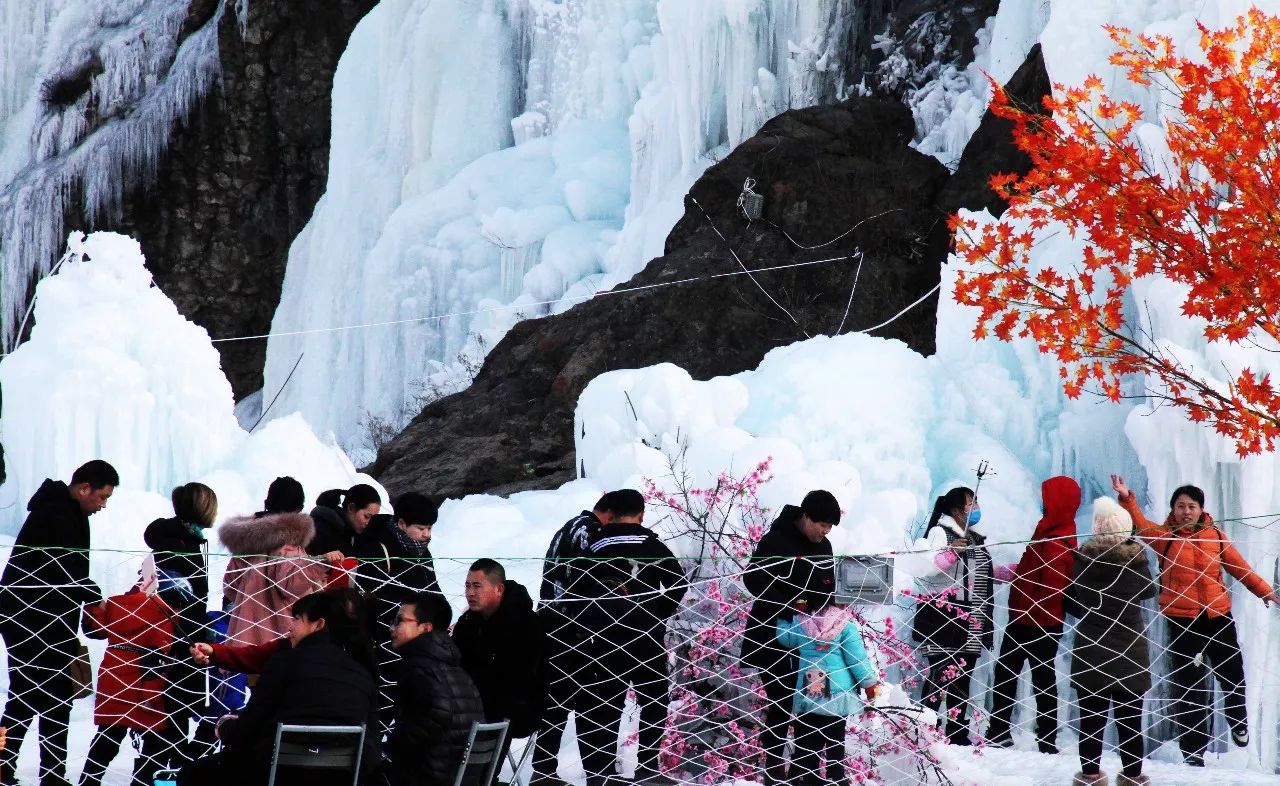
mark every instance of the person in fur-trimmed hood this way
{"type": "Point", "coordinates": [1110, 663]}
{"type": "Point", "coordinates": [268, 572]}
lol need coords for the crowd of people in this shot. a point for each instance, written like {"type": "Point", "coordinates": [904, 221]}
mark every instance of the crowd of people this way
{"type": "Point", "coordinates": [1101, 584]}
{"type": "Point", "coordinates": [337, 617]}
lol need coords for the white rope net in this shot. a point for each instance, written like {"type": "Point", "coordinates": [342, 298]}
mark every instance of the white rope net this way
{"type": "Point", "coordinates": [673, 671]}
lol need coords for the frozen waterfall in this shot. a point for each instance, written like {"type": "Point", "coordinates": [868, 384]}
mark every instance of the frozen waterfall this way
{"type": "Point", "coordinates": [455, 212]}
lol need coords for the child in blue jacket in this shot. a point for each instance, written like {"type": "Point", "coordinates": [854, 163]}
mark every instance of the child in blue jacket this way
{"type": "Point", "coordinates": [833, 666]}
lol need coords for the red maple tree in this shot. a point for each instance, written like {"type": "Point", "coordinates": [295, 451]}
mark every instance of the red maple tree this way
{"type": "Point", "coordinates": [1204, 213]}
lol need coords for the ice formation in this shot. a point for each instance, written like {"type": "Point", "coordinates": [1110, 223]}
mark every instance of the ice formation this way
{"type": "Point", "coordinates": [563, 179]}
{"type": "Point", "coordinates": [90, 92]}
{"type": "Point", "coordinates": [464, 211]}
{"type": "Point", "coordinates": [891, 429]}
{"type": "Point", "coordinates": [113, 371]}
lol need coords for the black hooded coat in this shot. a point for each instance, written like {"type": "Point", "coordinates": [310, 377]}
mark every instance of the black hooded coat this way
{"type": "Point", "coordinates": [503, 654]}
{"type": "Point", "coordinates": [785, 568]}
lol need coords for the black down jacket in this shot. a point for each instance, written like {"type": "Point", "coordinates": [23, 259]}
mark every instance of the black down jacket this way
{"type": "Point", "coordinates": [436, 703]}
{"type": "Point", "coordinates": [333, 533]}
{"type": "Point", "coordinates": [316, 682]}
{"type": "Point", "coordinates": [46, 579]}
{"type": "Point", "coordinates": [1106, 597]}
{"type": "Point", "coordinates": [503, 655]}
{"type": "Point", "coordinates": [786, 567]}
{"type": "Point", "coordinates": [179, 549]}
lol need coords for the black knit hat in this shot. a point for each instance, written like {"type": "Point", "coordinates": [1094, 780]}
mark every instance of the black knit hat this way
{"type": "Point", "coordinates": [821, 506]}
{"type": "Point", "coordinates": [414, 508]}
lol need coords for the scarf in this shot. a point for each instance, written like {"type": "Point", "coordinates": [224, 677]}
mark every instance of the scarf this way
{"type": "Point", "coordinates": [415, 548]}
{"type": "Point", "coordinates": [826, 624]}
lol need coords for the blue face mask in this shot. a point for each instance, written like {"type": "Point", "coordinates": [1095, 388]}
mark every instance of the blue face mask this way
{"type": "Point", "coordinates": [975, 516]}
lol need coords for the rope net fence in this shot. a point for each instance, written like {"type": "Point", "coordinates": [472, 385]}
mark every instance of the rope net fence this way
{"type": "Point", "coordinates": [715, 664]}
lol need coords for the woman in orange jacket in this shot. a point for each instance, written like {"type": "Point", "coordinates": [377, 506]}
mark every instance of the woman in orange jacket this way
{"type": "Point", "coordinates": [1193, 556]}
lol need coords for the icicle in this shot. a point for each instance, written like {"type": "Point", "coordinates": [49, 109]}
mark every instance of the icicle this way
{"type": "Point", "coordinates": [136, 82]}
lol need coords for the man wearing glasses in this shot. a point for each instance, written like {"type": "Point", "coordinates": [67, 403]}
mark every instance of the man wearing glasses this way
{"type": "Point", "coordinates": [436, 702]}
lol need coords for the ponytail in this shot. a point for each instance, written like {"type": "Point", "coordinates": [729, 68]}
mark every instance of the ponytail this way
{"type": "Point", "coordinates": [360, 496]}
{"type": "Point", "coordinates": [939, 507]}
{"type": "Point", "coordinates": [330, 499]}
{"type": "Point", "coordinates": [957, 497]}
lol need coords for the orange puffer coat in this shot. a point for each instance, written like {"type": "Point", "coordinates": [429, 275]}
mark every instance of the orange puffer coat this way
{"type": "Point", "coordinates": [1192, 561]}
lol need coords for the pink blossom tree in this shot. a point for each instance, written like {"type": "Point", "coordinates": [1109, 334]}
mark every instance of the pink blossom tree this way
{"type": "Point", "coordinates": [713, 730]}
{"type": "Point", "coordinates": [715, 722]}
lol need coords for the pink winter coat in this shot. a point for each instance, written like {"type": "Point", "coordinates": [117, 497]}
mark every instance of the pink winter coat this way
{"type": "Point", "coordinates": [268, 572]}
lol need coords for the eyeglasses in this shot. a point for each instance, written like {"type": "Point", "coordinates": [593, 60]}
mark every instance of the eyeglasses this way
{"type": "Point", "coordinates": [403, 620]}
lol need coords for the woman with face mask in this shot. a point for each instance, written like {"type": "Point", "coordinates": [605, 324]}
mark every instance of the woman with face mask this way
{"type": "Point", "coordinates": [1193, 555]}
{"type": "Point", "coordinates": [952, 624]}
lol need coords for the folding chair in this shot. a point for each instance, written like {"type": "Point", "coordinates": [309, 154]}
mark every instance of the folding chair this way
{"type": "Point", "coordinates": [482, 758]}
{"type": "Point", "coordinates": [525, 756]}
{"type": "Point", "coordinates": [318, 747]}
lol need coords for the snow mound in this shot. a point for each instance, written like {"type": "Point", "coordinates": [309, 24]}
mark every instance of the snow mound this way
{"type": "Point", "coordinates": [113, 371]}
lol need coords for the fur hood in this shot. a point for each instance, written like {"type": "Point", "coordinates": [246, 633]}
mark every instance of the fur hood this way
{"type": "Point", "coordinates": [249, 536]}
{"type": "Point", "coordinates": [1119, 553]}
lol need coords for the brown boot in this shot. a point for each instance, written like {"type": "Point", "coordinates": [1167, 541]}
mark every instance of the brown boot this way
{"type": "Point", "coordinates": [1136, 780]}
{"type": "Point", "coordinates": [1080, 779]}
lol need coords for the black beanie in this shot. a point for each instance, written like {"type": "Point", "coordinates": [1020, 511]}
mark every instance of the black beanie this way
{"type": "Point", "coordinates": [821, 506]}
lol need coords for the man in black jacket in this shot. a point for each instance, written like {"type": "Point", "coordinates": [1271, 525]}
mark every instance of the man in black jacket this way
{"type": "Point", "coordinates": [314, 680]}
{"type": "Point", "coordinates": [44, 586]}
{"type": "Point", "coordinates": [569, 546]}
{"type": "Point", "coordinates": [792, 568]}
{"type": "Point", "coordinates": [436, 702]}
{"type": "Point", "coordinates": [565, 666]}
{"type": "Point", "coordinates": [635, 584]}
{"type": "Point", "coordinates": [501, 643]}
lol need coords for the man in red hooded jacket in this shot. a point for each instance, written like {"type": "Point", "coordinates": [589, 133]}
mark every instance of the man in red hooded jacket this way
{"type": "Point", "coordinates": [1035, 617]}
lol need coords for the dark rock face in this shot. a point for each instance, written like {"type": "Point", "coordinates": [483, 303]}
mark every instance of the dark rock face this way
{"type": "Point", "coordinates": [824, 171]}
{"type": "Point", "coordinates": [895, 46]}
{"type": "Point", "coordinates": [242, 176]}
{"type": "Point", "coordinates": [990, 150]}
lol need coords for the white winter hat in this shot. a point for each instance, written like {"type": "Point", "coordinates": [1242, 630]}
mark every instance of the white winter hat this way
{"type": "Point", "coordinates": [1111, 523]}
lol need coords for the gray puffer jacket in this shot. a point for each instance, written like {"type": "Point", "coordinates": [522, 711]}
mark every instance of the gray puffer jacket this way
{"type": "Point", "coordinates": [1106, 598]}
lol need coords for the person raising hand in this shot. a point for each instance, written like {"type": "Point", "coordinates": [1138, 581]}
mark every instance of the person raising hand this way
{"type": "Point", "coordinates": [1194, 557]}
